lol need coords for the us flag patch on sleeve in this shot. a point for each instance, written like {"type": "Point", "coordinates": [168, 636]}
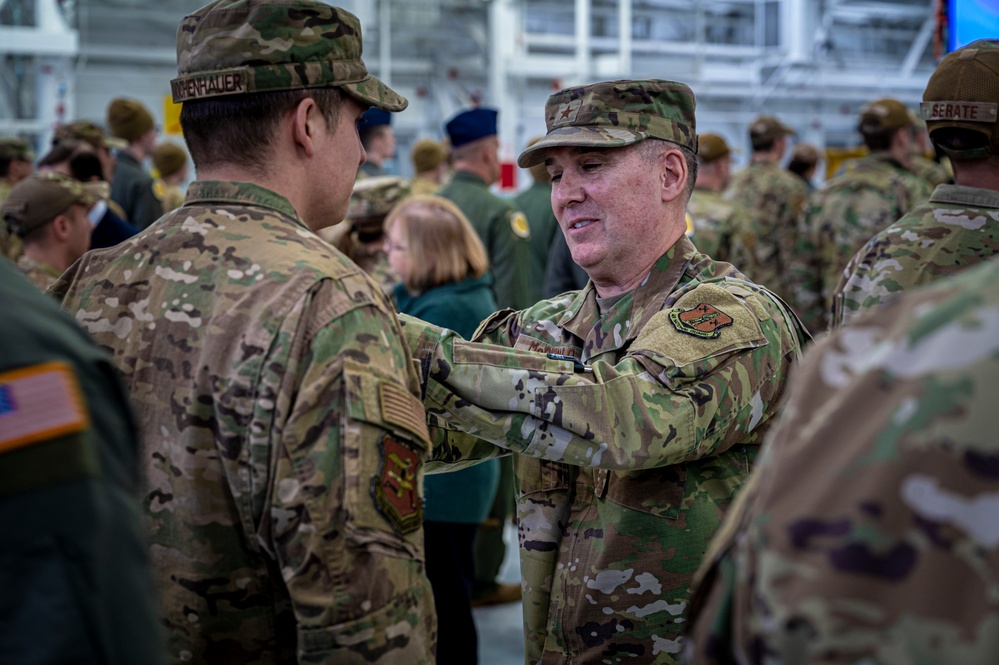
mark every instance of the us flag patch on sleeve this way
{"type": "Point", "coordinates": [39, 403]}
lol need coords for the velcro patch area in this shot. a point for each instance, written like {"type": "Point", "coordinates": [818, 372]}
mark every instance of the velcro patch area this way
{"type": "Point", "coordinates": [39, 403]}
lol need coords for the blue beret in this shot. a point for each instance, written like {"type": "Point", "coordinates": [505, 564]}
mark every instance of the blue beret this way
{"type": "Point", "coordinates": [375, 117]}
{"type": "Point", "coordinates": [471, 125]}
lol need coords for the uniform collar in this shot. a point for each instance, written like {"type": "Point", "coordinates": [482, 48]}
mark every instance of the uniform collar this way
{"type": "Point", "coordinates": [626, 318]}
{"type": "Point", "coordinates": [242, 193]}
{"type": "Point", "coordinates": [978, 197]}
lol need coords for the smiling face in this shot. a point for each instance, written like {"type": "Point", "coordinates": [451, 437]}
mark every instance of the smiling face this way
{"type": "Point", "coordinates": [611, 206]}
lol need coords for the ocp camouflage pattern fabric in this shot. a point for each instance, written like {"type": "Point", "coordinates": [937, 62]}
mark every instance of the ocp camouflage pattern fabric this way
{"type": "Point", "coordinates": [629, 442]}
{"type": "Point", "coordinates": [281, 442]}
{"type": "Point", "coordinates": [867, 534]}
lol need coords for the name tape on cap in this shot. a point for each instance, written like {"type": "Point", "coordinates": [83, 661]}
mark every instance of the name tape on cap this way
{"type": "Point", "coordinates": [963, 111]}
{"type": "Point", "coordinates": [230, 82]}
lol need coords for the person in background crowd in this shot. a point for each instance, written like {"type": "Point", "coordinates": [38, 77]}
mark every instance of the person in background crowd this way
{"type": "Point", "coordinates": [922, 161]}
{"type": "Point", "coordinates": [536, 203]}
{"type": "Point", "coordinates": [172, 170]}
{"type": "Point", "coordinates": [710, 212]}
{"type": "Point", "coordinates": [80, 161]}
{"type": "Point", "coordinates": [633, 408]}
{"type": "Point", "coordinates": [868, 196]}
{"type": "Point", "coordinates": [282, 443]}
{"type": "Point", "coordinates": [361, 237]}
{"type": "Point", "coordinates": [103, 145]}
{"type": "Point", "coordinates": [48, 212]}
{"type": "Point", "coordinates": [378, 139]}
{"type": "Point", "coordinates": [131, 186]}
{"type": "Point", "coordinates": [959, 226]}
{"type": "Point", "coordinates": [16, 159]}
{"type": "Point", "coordinates": [76, 580]}
{"type": "Point", "coordinates": [430, 167]}
{"type": "Point", "coordinates": [768, 201]}
{"type": "Point", "coordinates": [804, 163]}
{"type": "Point", "coordinates": [443, 273]}
{"type": "Point", "coordinates": [502, 228]}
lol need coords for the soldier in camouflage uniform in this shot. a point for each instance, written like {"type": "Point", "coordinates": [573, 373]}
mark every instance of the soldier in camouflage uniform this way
{"type": "Point", "coordinates": [768, 201]}
{"type": "Point", "coordinates": [16, 164]}
{"type": "Point", "coordinates": [710, 212]}
{"type": "Point", "coordinates": [868, 532]}
{"type": "Point", "coordinates": [48, 212]}
{"type": "Point", "coordinates": [851, 208]}
{"type": "Point", "coordinates": [634, 407]}
{"type": "Point", "coordinates": [362, 236]}
{"type": "Point", "coordinates": [930, 170]}
{"type": "Point", "coordinates": [282, 444]}
{"type": "Point", "coordinates": [503, 229]}
{"type": "Point", "coordinates": [959, 226]}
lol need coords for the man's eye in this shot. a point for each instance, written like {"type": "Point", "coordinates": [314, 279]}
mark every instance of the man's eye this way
{"type": "Point", "coordinates": [589, 166]}
{"type": "Point", "coordinates": [555, 177]}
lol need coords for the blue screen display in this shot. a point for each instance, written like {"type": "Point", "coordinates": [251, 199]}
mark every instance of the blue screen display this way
{"type": "Point", "coordinates": [971, 20]}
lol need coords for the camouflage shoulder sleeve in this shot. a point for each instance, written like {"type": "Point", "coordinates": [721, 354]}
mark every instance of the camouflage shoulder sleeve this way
{"type": "Point", "coordinates": [345, 506]}
{"type": "Point", "coordinates": [871, 507]}
{"type": "Point", "coordinates": [703, 375]}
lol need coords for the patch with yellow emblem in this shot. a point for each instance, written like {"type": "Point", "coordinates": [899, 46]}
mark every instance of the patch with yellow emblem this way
{"type": "Point", "coordinates": [520, 226]}
{"type": "Point", "coordinates": [159, 189]}
{"type": "Point", "coordinates": [395, 487]}
{"type": "Point", "coordinates": [702, 320]}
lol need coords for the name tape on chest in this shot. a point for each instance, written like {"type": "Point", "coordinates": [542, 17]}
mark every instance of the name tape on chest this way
{"type": "Point", "coordinates": [963, 111]}
{"type": "Point", "coordinates": [39, 403]}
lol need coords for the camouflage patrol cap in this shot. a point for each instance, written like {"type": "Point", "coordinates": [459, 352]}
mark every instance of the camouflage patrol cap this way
{"type": "Point", "coordinates": [375, 196]}
{"type": "Point", "coordinates": [615, 114]}
{"type": "Point", "coordinates": [883, 115]}
{"type": "Point", "coordinates": [88, 132]}
{"type": "Point", "coordinates": [768, 128]}
{"type": "Point", "coordinates": [963, 92]}
{"type": "Point", "coordinates": [711, 147]}
{"type": "Point", "coordinates": [12, 147]}
{"type": "Point", "coordinates": [232, 47]}
{"type": "Point", "coordinates": [38, 199]}
{"type": "Point", "coordinates": [129, 119]}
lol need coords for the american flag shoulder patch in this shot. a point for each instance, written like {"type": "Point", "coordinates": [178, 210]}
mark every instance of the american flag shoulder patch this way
{"type": "Point", "coordinates": [39, 403]}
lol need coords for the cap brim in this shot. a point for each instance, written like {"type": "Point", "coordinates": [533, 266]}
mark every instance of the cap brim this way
{"type": "Point", "coordinates": [96, 191]}
{"type": "Point", "coordinates": [372, 92]}
{"type": "Point", "coordinates": [583, 137]}
{"type": "Point", "coordinates": [115, 143]}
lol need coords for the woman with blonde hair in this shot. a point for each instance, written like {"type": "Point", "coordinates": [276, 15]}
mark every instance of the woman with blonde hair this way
{"type": "Point", "coordinates": [442, 265]}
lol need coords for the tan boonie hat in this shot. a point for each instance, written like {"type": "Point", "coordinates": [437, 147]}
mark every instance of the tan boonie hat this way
{"type": "Point", "coordinates": [232, 47]}
{"type": "Point", "coordinates": [168, 158]}
{"type": "Point", "coordinates": [375, 196]}
{"type": "Point", "coordinates": [12, 147]}
{"type": "Point", "coordinates": [711, 147]}
{"type": "Point", "coordinates": [963, 92]}
{"type": "Point", "coordinates": [883, 115]}
{"type": "Point", "coordinates": [38, 199]}
{"type": "Point", "coordinates": [89, 132]}
{"type": "Point", "coordinates": [128, 119]}
{"type": "Point", "coordinates": [768, 128]}
{"type": "Point", "coordinates": [615, 114]}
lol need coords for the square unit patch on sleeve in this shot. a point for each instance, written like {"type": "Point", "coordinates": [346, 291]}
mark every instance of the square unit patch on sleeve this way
{"type": "Point", "coordinates": [39, 403]}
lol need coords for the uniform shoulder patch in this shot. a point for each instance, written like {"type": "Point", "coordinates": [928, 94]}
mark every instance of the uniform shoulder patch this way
{"type": "Point", "coordinates": [518, 222]}
{"type": "Point", "coordinates": [39, 403]}
{"type": "Point", "coordinates": [702, 320]}
{"type": "Point", "coordinates": [159, 189]}
{"type": "Point", "coordinates": [395, 488]}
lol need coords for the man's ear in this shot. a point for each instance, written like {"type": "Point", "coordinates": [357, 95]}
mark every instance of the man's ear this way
{"type": "Point", "coordinates": [61, 226]}
{"type": "Point", "coordinates": [673, 170]}
{"type": "Point", "coordinates": [304, 126]}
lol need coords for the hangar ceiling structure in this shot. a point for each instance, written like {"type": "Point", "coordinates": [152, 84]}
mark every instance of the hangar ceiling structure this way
{"type": "Point", "coordinates": [812, 62]}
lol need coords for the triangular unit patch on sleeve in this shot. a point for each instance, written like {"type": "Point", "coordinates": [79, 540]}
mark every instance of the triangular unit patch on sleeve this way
{"type": "Point", "coordinates": [396, 487]}
{"type": "Point", "coordinates": [702, 320]}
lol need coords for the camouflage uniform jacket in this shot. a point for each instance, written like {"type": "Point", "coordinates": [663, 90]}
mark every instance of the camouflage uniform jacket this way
{"type": "Point", "coordinates": [712, 217]}
{"type": "Point", "coordinates": [40, 274]}
{"type": "Point", "coordinates": [932, 172]}
{"type": "Point", "coordinates": [867, 533]}
{"type": "Point", "coordinates": [626, 467]}
{"type": "Point", "coordinates": [505, 233]}
{"type": "Point", "coordinates": [133, 189]}
{"type": "Point", "coordinates": [840, 218]}
{"type": "Point", "coordinates": [281, 444]}
{"type": "Point", "coordinates": [768, 201]}
{"type": "Point", "coordinates": [957, 228]}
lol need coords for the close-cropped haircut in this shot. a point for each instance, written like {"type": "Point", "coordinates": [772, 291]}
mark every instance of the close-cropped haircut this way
{"type": "Point", "coordinates": [651, 149]}
{"type": "Point", "coordinates": [443, 247]}
{"type": "Point", "coordinates": [238, 130]}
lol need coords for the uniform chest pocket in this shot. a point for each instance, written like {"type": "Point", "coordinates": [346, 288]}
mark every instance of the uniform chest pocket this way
{"type": "Point", "coordinates": [385, 445]}
{"type": "Point", "coordinates": [658, 492]}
